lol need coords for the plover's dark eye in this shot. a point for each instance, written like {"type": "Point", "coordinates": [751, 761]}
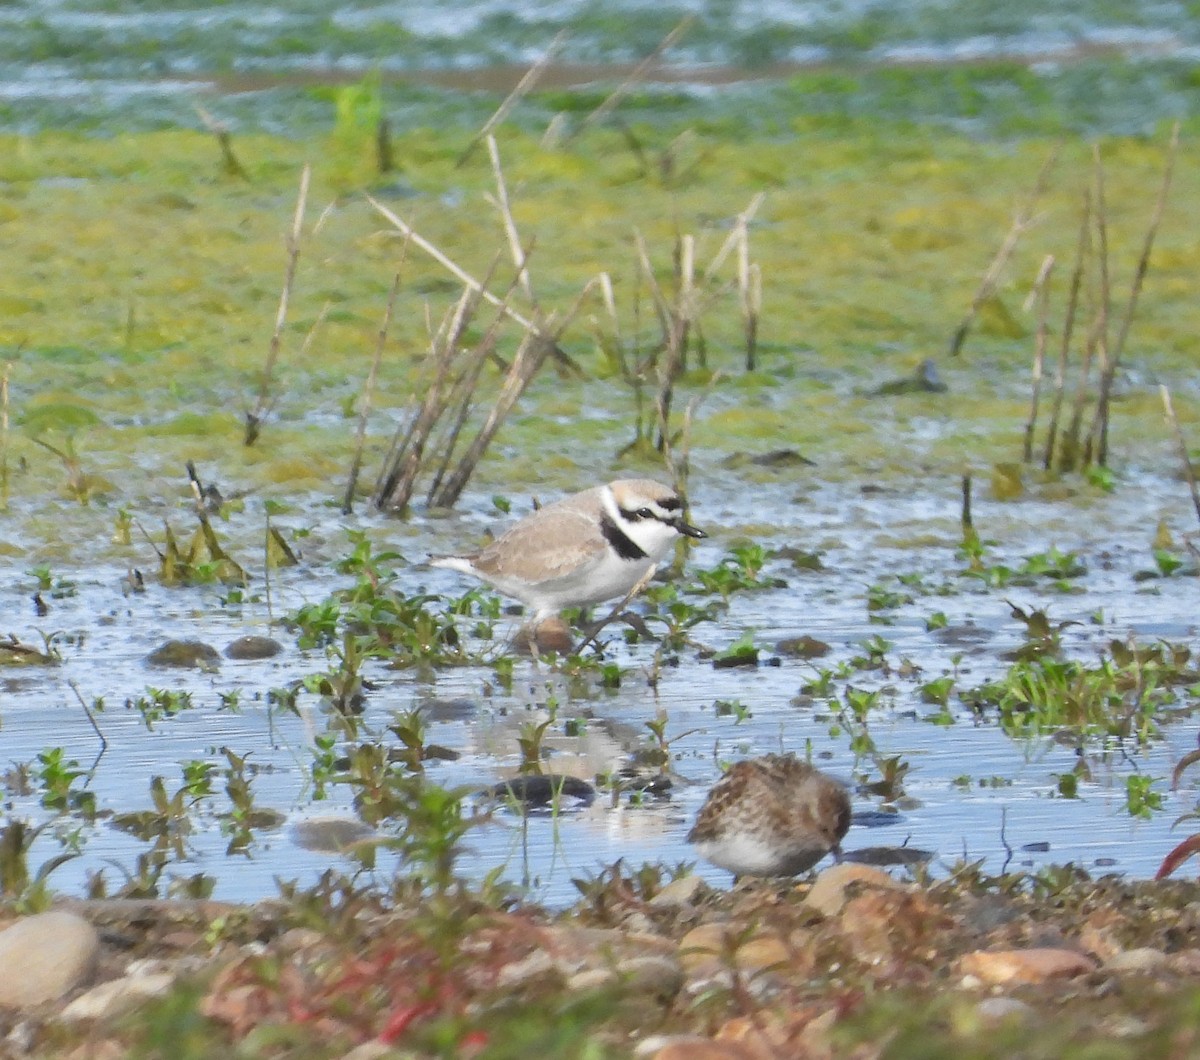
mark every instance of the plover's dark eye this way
{"type": "Point", "coordinates": [644, 513]}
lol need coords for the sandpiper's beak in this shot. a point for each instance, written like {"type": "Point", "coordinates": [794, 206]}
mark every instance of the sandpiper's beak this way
{"type": "Point", "coordinates": [689, 531]}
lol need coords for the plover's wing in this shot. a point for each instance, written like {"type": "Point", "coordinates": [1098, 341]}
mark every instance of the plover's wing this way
{"type": "Point", "coordinates": [555, 542]}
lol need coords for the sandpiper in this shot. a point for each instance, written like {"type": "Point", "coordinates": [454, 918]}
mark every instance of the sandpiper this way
{"type": "Point", "coordinates": [771, 816]}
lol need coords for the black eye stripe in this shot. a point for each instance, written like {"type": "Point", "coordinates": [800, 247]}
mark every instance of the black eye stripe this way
{"type": "Point", "coordinates": [636, 515]}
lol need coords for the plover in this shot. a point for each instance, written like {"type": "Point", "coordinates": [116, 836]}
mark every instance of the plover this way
{"type": "Point", "coordinates": [584, 549]}
{"type": "Point", "coordinates": [771, 816]}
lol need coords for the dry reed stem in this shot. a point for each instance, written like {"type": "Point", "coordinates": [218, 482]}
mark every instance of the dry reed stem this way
{"type": "Point", "coordinates": [364, 409]}
{"type": "Point", "coordinates": [225, 142]}
{"type": "Point", "coordinates": [254, 418]}
{"type": "Point", "coordinates": [750, 297]}
{"type": "Point", "coordinates": [452, 267]}
{"type": "Point", "coordinates": [531, 355]}
{"type": "Point", "coordinates": [738, 232]}
{"type": "Point", "coordinates": [1099, 426]}
{"type": "Point", "coordinates": [462, 390]}
{"type": "Point", "coordinates": [1181, 443]}
{"type": "Point", "coordinates": [1060, 374]}
{"type": "Point", "coordinates": [401, 474]}
{"type": "Point", "coordinates": [639, 72]}
{"type": "Point", "coordinates": [510, 225]}
{"type": "Point", "coordinates": [991, 276]}
{"type": "Point", "coordinates": [1040, 294]}
{"type": "Point", "coordinates": [522, 88]}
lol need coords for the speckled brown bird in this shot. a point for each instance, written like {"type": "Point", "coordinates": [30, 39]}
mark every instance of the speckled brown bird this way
{"type": "Point", "coordinates": [771, 816]}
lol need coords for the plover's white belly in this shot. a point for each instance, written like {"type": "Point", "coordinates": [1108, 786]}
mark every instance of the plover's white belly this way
{"type": "Point", "coordinates": [610, 577]}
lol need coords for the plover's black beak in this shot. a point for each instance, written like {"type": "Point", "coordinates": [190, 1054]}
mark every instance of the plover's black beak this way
{"type": "Point", "coordinates": [689, 531]}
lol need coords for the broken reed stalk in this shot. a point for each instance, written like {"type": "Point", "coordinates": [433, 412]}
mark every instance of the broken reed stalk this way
{"type": "Point", "coordinates": [750, 296]}
{"type": "Point", "coordinates": [462, 393]}
{"type": "Point", "coordinates": [522, 88]}
{"type": "Point", "coordinates": [500, 201]}
{"type": "Point", "coordinates": [1060, 374]}
{"type": "Point", "coordinates": [1181, 443]}
{"type": "Point", "coordinates": [991, 276]}
{"type": "Point", "coordinates": [1041, 294]}
{"type": "Point", "coordinates": [531, 355]}
{"type": "Point", "coordinates": [1099, 426]}
{"type": "Point", "coordinates": [400, 474]}
{"type": "Point", "coordinates": [454, 269]}
{"type": "Point", "coordinates": [254, 419]}
{"type": "Point", "coordinates": [364, 410]}
{"type": "Point", "coordinates": [639, 72]}
{"type": "Point", "coordinates": [1104, 295]}
{"type": "Point", "coordinates": [224, 139]}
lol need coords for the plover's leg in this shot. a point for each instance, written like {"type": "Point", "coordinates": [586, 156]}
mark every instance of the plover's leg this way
{"type": "Point", "coordinates": [639, 585]}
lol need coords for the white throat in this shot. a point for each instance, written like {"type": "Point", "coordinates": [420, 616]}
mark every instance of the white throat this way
{"type": "Point", "coordinates": [652, 536]}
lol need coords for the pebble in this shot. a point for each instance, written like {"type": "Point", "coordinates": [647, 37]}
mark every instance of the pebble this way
{"type": "Point", "coordinates": [1036, 965]}
{"type": "Point", "coordinates": [330, 834]}
{"type": "Point", "coordinates": [687, 1047]}
{"type": "Point", "coordinates": [43, 957]}
{"type": "Point", "coordinates": [116, 997]}
{"type": "Point", "coordinates": [252, 647]}
{"type": "Point", "coordinates": [193, 653]}
{"type": "Point", "coordinates": [1144, 960]}
{"type": "Point", "coordinates": [828, 894]}
{"type": "Point", "coordinates": [999, 1009]}
{"type": "Point", "coordinates": [680, 892]}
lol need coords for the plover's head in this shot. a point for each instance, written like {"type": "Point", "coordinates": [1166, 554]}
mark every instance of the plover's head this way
{"type": "Point", "coordinates": [648, 513]}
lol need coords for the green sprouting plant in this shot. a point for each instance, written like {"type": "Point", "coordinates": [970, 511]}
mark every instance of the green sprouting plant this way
{"type": "Point", "coordinates": [342, 684]}
{"type": "Point", "coordinates": [1140, 800]}
{"type": "Point", "coordinates": [529, 740]}
{"type": "Point", "coordinates": [56, 775]}
{"type": "Point", "coordinates": [168, 822]}
{"type": "Point", "coordinates": [732, 708]}
{"type": "Point", "coordinates": [938, 691]}
{"type": "Point", "coordinates": [159, 703]}
{"type": "Point", "coordinates": [410, 729]}
{"type": "Point", "coordinates": [1167, 562]}
{"type": "Point", "coordinates": [875, 657]}
{"type": "Point", "coordinates": [324, 764]}
{"type": "Point", "coordinates": [1120, 696]}
{"type": "Point", "coordinates": [49, 585]}
{"type": "Point", "coordinates": [881, 597]}
{"type": "Point", "coordinates": [742, 652]}
{"type": "Point", "coordinates": [937, 620]}
{"type": "Point", "coordinates": [676, 615]}
{"type": "Point", "coordinates": [1042, 637]}
{"type": "Point", "coordinates": [739, 571]}
{"type": "Point", "coordinates": [29, 893]}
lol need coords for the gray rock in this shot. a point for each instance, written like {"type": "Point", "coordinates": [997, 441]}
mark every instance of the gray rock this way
{"type": "Point", "coordinates": [251, 647]}
{"type": "Point", "coordinates": [116, 997]}
{"type": "Point", "coordinates": [43, 957]}
{"type": "Point", "coordinates": [999, 1009]}
{"type": "Point", "coordinates": [334, 835]}
{"type": "Point", "coordinates": [193, 653]}
{"type": "Point", "coordinates": [680, 892]}
{"type": "Point", "coordinates": [1143, 960]}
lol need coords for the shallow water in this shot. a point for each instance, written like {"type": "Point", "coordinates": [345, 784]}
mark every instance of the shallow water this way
{"type": "Point", "coordinates": [972, 791]}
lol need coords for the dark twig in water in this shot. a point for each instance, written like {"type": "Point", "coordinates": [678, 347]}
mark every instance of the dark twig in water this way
{"type": "Point", "coordinates": [1041, 294]}
{"type": "Point", "coordinates": [1008, 850]}
{"type": "Point", "coordinates": [1188, 473]}
{"type": "Point", "coordinates": [224, 139]}
{"type": "Point", "coordinates": [92, 721]}
{"type": "Point", "coordinates": [1064, 350]}
{"type": "Point", "coordinates": [254, 418]}
{"type": "Point", "coordinates": [991, 276]}
{"type": "Point", "coordinates": [1099, 428]}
